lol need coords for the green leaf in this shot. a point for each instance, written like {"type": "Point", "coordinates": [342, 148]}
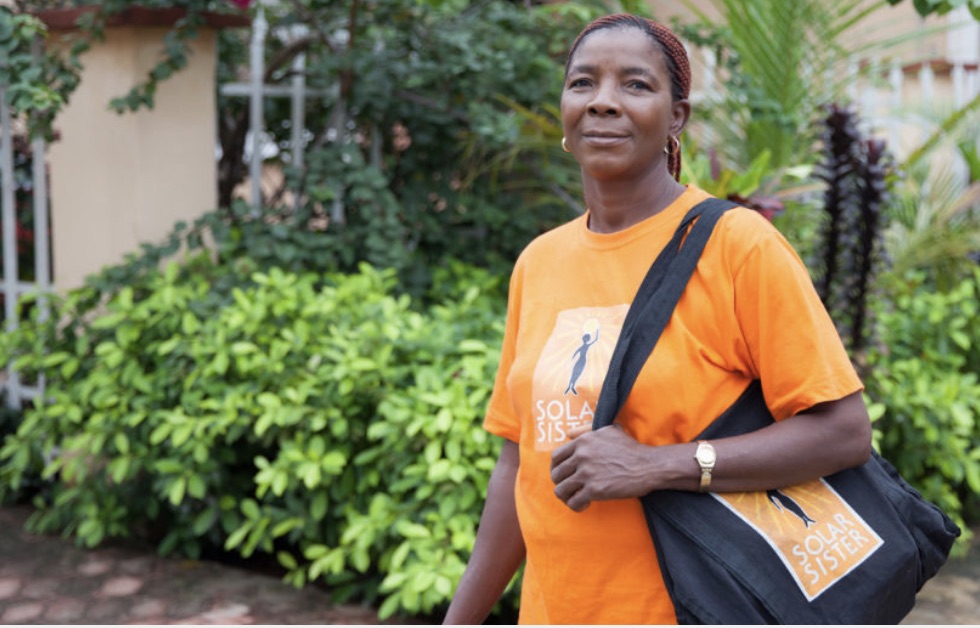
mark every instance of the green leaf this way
{"type": "Point", "coordinates": [280, 482]}
{"type": "Point", "coordinates": [243, 348]}
{"type": "Point", "coordinates": [121, 442]}
{"type": "Point", "coordinates": [389, 607]}
{"type": "Point", "coordinates": [220, 363]}
{"type": "Point", "coordinates": [168, 346]}
{"type": "Point", "coordinates": [176, 491]}
{"type": "Point", "coordinates": [333, 462]}
{"type": "Point", "coordinates": [181, 434]}
{"type": "Point", "coordinates": [235, 538]}
{"type": "Point", "coordinates": [318, 507]}
{"type": "Point", "coordinates": [285, 527]}
{"type": "Point", "coordinates": [118, 469]}
{"type": "Point", "coordinates": [314, 552]}
{"type": "Point", "coordinates": [203, 521]}
{"type": "Point", "coordinates": [196, 487]}
{"type": "Point", "coordinates": [286, 560]}
{"type": "Point", "coordinates": [411, 530]}
{"type": "Point", "coordinates": [250, 509]}
{"type": "Point", "coordinates": [360, 560]}
{"type": "Point", "coordinates": [160, 434]}
{"type": "Point", "coordinates": [443, 586]}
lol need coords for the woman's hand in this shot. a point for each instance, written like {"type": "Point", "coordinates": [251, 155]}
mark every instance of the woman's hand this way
{"type": "Point", "coordinates": [605, 464]}
{"type": "Point", "coordinates": [610, 464]}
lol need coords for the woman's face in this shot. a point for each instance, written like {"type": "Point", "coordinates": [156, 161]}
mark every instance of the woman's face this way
{"type": "Point", "coordinates": [616, 106]}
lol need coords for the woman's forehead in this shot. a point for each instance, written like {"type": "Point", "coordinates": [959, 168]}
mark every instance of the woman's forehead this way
{"type": "Point", "coordinates": [625, 45]}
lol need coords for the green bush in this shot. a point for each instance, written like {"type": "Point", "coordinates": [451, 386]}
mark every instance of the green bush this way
{"type": "Point", "coordinates": [318, 418]}
{"type": "Point", "coordinates": [925, 394]}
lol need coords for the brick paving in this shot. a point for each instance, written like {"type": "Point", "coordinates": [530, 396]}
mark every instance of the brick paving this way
{"type": "Point", "coordinates": [48, 580]}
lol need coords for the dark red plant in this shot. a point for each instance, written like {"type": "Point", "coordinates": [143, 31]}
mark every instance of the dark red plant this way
{"type": "Point", "coordinates": [855, 170]}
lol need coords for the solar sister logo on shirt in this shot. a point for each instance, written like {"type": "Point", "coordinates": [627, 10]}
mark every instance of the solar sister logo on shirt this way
{"type": "Point", "coordinates": [570, 370]}
{"type": "Point", "coordinates": [815, 533]}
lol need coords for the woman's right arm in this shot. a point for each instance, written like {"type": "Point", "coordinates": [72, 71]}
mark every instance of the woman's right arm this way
{"type": "Point", "coordinates": [499, 547]}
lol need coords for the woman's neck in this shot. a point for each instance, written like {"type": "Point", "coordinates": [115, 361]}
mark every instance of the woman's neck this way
{"type": "Point", "coordinates": [617, 205]}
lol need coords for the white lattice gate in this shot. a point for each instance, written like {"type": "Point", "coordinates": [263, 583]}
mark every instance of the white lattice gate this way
{"type": "Point", "coordinates": [11, 286]}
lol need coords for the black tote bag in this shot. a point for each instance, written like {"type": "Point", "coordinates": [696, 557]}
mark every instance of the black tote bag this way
{"type": "Point", "coordinates": [851, 548]}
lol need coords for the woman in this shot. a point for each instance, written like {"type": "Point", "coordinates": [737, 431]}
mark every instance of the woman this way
{"type": "Point", "coordinates": [562, 497]}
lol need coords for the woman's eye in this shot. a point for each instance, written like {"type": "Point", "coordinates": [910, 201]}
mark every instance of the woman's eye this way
{"type": "Point", "coordinates": [579, 82]}
{"type": "Point", "coordinates": [638, 85]}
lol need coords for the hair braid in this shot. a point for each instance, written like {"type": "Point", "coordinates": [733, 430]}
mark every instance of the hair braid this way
{"type": "Point", "coordinates": [675, 55]}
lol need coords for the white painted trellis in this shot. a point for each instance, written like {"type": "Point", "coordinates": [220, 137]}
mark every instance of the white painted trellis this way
{"type": "Point", "coordinates": [257, 147]}
{"type": "Point", "coordinates": [256, 90]}
{"type": "Point", "coordinates": [10, 285]}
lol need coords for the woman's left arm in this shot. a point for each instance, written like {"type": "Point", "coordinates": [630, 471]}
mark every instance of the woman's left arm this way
{"type": "Point", "coordinates": [610, 464]}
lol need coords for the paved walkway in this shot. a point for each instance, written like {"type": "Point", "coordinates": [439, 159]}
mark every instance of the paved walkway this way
{"type": "Point", "coordinates": [47, 580]}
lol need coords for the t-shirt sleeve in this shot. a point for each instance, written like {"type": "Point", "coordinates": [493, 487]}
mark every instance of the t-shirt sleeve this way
{"type": "Point", "coordinates": [500, 418]}
{"type": "Point", "coordinates": [790, 339]}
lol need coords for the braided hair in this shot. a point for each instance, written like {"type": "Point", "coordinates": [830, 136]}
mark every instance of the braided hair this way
{"type": "Point", "coordinates": [674, 53]}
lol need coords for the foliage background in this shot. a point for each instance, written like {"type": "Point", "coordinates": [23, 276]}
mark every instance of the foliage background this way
{"type": "Point", "coordinates": [307, 383]}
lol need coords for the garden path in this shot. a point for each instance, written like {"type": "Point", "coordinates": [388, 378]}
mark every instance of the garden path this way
{"type": "Point", "coordinates": [48, 580]}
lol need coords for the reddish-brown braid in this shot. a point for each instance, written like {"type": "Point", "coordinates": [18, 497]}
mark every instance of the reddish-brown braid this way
{"type": "Point", "coordinates": [676, 56]}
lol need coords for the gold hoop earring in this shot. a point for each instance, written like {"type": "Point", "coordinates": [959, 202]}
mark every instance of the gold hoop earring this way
{"type": "Point", "coordinates": [673, 147]}
{"type": "Point", "coordinates": [564, 145]}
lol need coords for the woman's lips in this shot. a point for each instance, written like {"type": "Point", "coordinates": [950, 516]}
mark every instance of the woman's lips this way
{"type": "Point", "coordinates": [604, 140]}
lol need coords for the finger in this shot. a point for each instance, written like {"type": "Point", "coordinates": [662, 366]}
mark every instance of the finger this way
{"type": "Point", "coordinates": [561, 454]}
{"type": "Point", "coordinates": [578, 431]}
{"type": "Point", "coordinates": [561, 472]}
{"type": "Point", "coordinates": [567, 489]}
{"type": "Point", "coordinates": [578, 501]}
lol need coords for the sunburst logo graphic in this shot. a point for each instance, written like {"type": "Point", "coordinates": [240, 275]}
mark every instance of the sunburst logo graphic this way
{"type": "Point", "coordinates": [570, 370]}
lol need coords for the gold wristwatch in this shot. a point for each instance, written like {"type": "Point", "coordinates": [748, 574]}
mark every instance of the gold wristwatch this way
{"type": "Point", "coordinates": [705, 455]}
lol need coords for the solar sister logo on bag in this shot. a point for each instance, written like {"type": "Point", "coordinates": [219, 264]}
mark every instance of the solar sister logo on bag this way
{"type": "Point", "coordinates": [815, 533]}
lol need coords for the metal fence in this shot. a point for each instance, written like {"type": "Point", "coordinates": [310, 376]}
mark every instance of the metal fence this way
{"type": "Point", "coordinates": [11, 286]}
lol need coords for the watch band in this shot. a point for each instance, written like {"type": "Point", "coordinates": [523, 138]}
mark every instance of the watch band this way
{"type": "Point", "coordinates": [705, 480]}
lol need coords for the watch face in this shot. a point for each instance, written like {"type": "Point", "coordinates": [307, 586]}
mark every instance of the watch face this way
{"type": "Point", "coordinates": [706, 454]}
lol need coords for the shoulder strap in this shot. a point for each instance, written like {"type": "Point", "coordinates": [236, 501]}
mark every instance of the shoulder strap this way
{"type": "Point", "coordinates": [654, 304]}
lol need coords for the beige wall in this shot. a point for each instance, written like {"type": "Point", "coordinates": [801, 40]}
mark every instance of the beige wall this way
{"type": "Point", "coordinates": [120, 180]}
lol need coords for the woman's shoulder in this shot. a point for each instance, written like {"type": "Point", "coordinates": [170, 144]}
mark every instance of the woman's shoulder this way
{"type": "Point", "coordinates": [744, 233]}
{"type": "Point", "coordinates": [748, 223]}
{"type": "Point", "coordinates": [746, 228]}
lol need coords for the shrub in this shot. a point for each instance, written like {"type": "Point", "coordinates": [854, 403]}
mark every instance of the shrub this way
{"type": "Point", "coordinates": [318, 418]}
{"type": "Point", "coordinates": [925, 393]}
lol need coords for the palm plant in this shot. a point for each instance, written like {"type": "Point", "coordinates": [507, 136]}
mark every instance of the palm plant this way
{"type": "Point", "coordinates": [781, 64]}
{"type": "Point", "coordinates": [935, 224]}
{"type": "Point", "coordinates": [935, 214]}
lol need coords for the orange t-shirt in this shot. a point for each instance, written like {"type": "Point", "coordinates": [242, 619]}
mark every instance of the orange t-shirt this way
{"type": "Point", "coordinates": [750, 311]}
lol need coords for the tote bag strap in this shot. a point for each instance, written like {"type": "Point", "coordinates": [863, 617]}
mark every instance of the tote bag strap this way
{"type": "Point", "coordinates": [654, 304]}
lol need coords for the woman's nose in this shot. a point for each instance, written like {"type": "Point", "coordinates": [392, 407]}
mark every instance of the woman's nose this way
{"type": "Point", "coordinates": [604, 101]}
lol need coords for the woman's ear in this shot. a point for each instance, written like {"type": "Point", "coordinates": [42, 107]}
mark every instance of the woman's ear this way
{"type": "Point", "coordinates": [681, 111]}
